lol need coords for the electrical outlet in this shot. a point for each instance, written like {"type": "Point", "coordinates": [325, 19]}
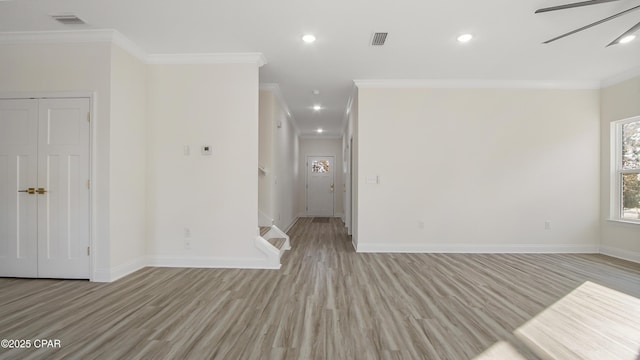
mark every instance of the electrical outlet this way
{"type": "Point", "coordinates": [420, 224]}
{"type": "Point", "coordinates": [187, 232]}
{"type": "Point", "coordinates": [187, 244]}
{"type": "Point", "coordinates": [547, 225]}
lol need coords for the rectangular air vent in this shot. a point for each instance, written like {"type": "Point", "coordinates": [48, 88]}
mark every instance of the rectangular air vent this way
{"type": "Point", "coordinates": [68, 19]}
{"type": "Point", "coordinates": [379, 38]}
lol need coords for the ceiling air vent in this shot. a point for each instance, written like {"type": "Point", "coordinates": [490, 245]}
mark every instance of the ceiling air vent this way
{"type": "Point", "coordinates": [68, 19]}
{"type": "Point", "coordinates": [379, 38]}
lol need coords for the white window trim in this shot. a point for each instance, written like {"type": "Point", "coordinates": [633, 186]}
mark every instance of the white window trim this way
{"type": "Point", "coordinates": [615, 188]}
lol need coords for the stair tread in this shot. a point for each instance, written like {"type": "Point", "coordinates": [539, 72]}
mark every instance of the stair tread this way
{"type": "Point", "coordinates": [277, 242]}
{"type": "Point", "coordinates": [264, 230]}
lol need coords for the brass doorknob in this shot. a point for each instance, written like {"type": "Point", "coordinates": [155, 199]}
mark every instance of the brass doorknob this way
{"type": "Point", "coordinates": [331, 187]}
{"type": "Point", "coordinates": [28, 191]}
{"type": "Point", "coordinates": [41, 191]}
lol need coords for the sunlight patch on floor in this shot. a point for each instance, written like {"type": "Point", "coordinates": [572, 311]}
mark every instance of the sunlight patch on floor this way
{"type": "Point", "coordinates": [591, 322]}
{"type": "Point", "coordinates": [500, 351]}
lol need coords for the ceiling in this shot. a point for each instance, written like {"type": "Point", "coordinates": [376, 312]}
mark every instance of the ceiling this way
{"type": "Point", "coordinates": [421, 43]}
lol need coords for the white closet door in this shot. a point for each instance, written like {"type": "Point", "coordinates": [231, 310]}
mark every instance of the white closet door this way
{"type": "Point", "coordinates": [63, 172]}
{"type": "Point", "coordinates": [18, 172]}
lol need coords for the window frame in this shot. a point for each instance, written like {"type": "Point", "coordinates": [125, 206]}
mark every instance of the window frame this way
{"type": "Point", "coordinates": [616, 184]}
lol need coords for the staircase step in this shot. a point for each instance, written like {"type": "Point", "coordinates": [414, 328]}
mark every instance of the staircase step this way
{"type": "Point", "coordinates": [277, 242]}
{"type": "Point", "coordinates": [264, 230]}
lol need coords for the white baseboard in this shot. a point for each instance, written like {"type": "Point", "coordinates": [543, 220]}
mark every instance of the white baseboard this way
{"type": "Point", "coordinates": [620, 253]}
{"type": "Point", "coordinates": [272, 254]}
{"type": "Point", "coordinates": [476, 248]}
{"type": "Point", "coordinates": [101, 275]}
{"type": "Point", "coordinates": [210, 262]}
{"type": "Point", "coordinates": [286, 230]}
{"type": "Point", "coordinates": [119, 271]}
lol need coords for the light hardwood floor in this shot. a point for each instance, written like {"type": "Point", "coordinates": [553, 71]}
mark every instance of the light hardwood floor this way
{"type": "Point", "coordinates": [326, 302]}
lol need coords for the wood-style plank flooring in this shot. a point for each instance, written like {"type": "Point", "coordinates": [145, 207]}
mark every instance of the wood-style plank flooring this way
{"type": "Point", "coordinates": [326, 302]}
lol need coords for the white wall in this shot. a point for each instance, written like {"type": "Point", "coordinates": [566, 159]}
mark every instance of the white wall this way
{"type": "Point", "coordinates": [214, 196]}
{"type": "Point", "coordinates": [278, 193]}
{"type": "Point", "coordinates": [127, 163]}
{"type": "Point", "coordinates": [355, 169]}
{"type": "Point", "coordinates": [478, 170]}
{"type": "Point", "coordinates": [618, 102]}
{"type": "Point", "coordinates": [285, 164]}
{"type": "Point", "coordinates": [265, 154]}
{"type": "Point", "coordinates": [72, 67]}
{"type": "Point", "coordinates": [349, 142]}
{"type": "Point", "coordinates": [321, 147]}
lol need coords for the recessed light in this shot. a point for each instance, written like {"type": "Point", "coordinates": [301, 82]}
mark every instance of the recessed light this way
{"type": "Point", "coordinates": [465, 38]}
{"type": "Point", "coordinates": [308, 38]}
{"type": "Point", "coordinates": [627, 39]}
{"type": "Point", "coordinates": [317, 107]}
{"type": "Point", "coordinates": [319, 131]}
{"type": "Point", "coordinates": [316, 92]}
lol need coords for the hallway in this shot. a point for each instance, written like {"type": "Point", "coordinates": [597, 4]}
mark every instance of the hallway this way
{"type": "Point", "coordinates": [326, 302]}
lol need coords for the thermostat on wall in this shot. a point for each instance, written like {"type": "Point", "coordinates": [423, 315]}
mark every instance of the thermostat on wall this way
{"type": "Point", "coordinates": [206, 150]}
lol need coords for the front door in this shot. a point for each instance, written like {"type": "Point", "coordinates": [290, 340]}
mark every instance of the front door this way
{"type": "Point", "coordinates": [320, 185]}
{"type": "Point", "coordinates": [44, 159]}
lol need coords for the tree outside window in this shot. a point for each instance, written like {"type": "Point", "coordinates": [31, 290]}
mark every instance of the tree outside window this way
{"type": "Point", "coordinates": [630, 170]}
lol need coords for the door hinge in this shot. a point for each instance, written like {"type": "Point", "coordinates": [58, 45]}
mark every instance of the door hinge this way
{"type": "Point", "coordinates": [88, 184]}
{"type": "Point", "coordinates": [88, 251]}
{"type": "Point", "coordinates": [89, 117]}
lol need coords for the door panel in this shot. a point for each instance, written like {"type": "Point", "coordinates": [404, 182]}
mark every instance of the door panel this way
{"type": "Point", "coordinates": [18, 171]}
{"type": "Point", "coordinates": [320, 185]}
{"type": "Point", "coordinates": [63, 171]}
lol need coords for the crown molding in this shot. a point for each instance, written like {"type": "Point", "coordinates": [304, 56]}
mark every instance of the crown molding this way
{"type": "Point", "coordinates": [129, 46]}
{"type": "Point", "coordinates": [473, 84]}
{"type": "Point", "coordinates": [115, 37]}
{"type": "Point", "coordinates": [275, 90]}
{"type": "Point", "coordinates": [72, 37]}
{"type": "Point", "coordinates": [219, 58]}
{"type": "Point", "coordinates": [624, 76]}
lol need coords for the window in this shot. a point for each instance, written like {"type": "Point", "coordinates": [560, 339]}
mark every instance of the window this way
{"type": "Point", "coordinates": [626, 175]}
{"type": "Point", "coordinates": [320, 166]}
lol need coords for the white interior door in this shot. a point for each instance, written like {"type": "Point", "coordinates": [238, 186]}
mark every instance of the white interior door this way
{"type": "Point", "coordinates": [63, 175]}
{"type": "Point", "coordinates": [18, 172]}
{"type": "Point", "coordinates": [44, 194]}
{"type": "Point", "coordinates": [320, 185]}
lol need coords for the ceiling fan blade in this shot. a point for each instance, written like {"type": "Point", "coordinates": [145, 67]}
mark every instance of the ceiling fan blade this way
{"type": "Point", "coordinates": [573, 5]}
{"type": "Point", "coordinates": [593, 24]}
{"type": "Point", "coordinates": [633, 29]}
